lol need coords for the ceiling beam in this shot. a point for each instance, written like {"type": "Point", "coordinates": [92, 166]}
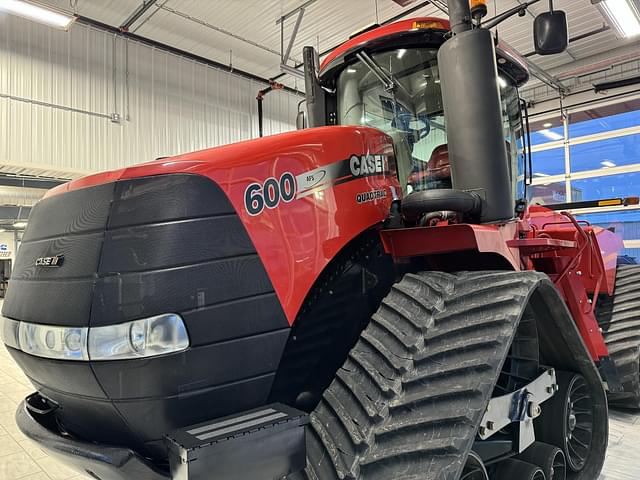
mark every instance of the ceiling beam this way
{"type": "Point", "coordinates": [290, 14]}
{"type": "Point", "coordinates": [136, 14]}
{"type": "Point", "coordinates": [11, 213]}
{"type": "Point", "coordinates": [221, 30]}
{"type": "Point", "coordinates": [29, 182]}
{"type": "Point", "coordinates": [545, 77]}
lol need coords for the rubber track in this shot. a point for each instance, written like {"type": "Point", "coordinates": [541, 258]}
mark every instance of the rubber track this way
{"type": "Point", "coordinates": [619, 319]}
{"type": "Point", "coordinates": [407, 402]}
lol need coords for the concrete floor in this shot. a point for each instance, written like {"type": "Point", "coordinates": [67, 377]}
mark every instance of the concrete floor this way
{"type": "Point", "coordinates": [22, 459]}
{"type": "Point", "coordinates": [19, 457]}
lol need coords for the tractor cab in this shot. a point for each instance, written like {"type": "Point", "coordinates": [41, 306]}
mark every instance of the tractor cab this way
{"type": "Point", "coordinates": [388, 78]}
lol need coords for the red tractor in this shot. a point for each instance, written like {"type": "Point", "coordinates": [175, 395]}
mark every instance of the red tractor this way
{"type": "Point", "coordinates": [380, 272]}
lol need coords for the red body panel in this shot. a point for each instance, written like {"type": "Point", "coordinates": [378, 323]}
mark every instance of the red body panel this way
{"type": "Point", "coordinates": [419, 241]}
{"type": "Point", "coordinates": [298, 238]}
{"type": "Point", "coordinates": [608, 244]}
{"type": "Point", "coordinates": [580, 259]}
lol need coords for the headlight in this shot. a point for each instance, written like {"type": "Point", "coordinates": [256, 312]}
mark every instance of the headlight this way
{"type": "Point", "coordinates": [147, 337]}
{"type": "Point", "coordinates": [140, 338]}
{"type": "Point", "coordinates": [9, 329]}
{"type": "Point", "coordinates": [53, 342]}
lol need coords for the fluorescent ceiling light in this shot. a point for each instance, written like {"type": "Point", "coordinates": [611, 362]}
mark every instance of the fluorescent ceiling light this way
{"type": "Point", "coordinates": [351, 70]}
{"type": "Point", "coordinates": [37, 13]}
{"type": "Point", "coordinates": [538, 174]}
{"type": "Point", "coordinates": [20, 224]}
{"type": "Point", "coordinates": [502, 82]}
{"type": "Point", "coordinates": [3, 230]}
{"type": "Point", "coordinates": [401, 52]}
{"type": "Point", "coordinates": [547, 125]}
{"type": "Point", "coordinates": [551, 135]}
{"type": "Point", "coordinates": [622, 15]}
{"type": "Point", "coordinates": [607, 164]}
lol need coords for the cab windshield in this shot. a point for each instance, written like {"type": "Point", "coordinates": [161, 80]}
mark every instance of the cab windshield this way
{"type": "Point", "coordinates": [398, 92]}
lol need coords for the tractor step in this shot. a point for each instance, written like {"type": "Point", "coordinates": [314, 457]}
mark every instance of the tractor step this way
{"type": "Point", "coordinates": [260, 444]}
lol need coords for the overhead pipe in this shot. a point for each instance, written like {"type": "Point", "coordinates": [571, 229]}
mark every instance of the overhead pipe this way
{"type": "Point", "coordinates": [261, 94]}
{"type": "Point", "coordinates": [176, 51]}
{"type": "Point", "coordinates": [605, 86]}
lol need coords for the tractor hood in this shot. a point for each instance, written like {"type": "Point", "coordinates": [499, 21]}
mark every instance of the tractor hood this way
{"type": "Point", "coordinates": [212, 238]}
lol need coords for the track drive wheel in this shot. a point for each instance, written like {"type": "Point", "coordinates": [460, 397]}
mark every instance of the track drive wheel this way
{"type": "Point", "coordinates": [619, 319]}
{"type": "Point", "coordinates": [408, 400]}
{"type": "Point", "coordinates": [568, 422]}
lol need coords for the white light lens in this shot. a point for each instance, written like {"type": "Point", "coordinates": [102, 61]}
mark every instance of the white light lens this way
{"type": "Point", "coordinates": [502, 82]}
{"type": "Point", "coordinates": [37, 13]}
{"type": "Point", "coordinates": [141, 338]}
{"type": "Point", "coordinates": [607, 164]}
{"type": "Point", "coordinates": [148, 337]}
{"type": "Point", "coordinates": [20, 224]}
{"type": "Point", "coordinates": [622, 16]}
{"type": "Point", "coordinates": [64, 343]}
{"type": "Point", "coordinates": [9, 330]}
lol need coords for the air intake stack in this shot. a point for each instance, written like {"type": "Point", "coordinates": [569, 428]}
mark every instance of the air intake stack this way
{"type": "Point", "coordinates": [472, 108]}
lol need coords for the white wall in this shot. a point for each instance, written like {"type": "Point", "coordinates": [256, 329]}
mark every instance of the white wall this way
{"type": "Point", "coordinates": [58, 89]}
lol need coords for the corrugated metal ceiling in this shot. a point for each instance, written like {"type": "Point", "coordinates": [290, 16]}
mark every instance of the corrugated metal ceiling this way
{"type": "Point", "coordinates": [244, 33]}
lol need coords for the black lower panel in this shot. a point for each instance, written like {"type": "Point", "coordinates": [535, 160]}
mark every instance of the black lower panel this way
{"type": "Point", "coordinates": [141, 424]}
{"type": "Point", "coordinates": [66, 377]}
{"type": "Point", "coordinates": [89, 418]}
{"type": "Point", "coordinates": [194, 370]}
{"type": "Point", "coordinates": [136, 402]}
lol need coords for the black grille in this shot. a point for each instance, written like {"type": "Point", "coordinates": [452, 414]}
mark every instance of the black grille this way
{"type": "Point", "coordinates": [137, 248]}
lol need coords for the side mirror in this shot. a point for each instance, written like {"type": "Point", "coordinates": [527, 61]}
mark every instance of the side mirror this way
{"type": "Point", "coordinates": [301, 120]}
{"type": "Point", "coordinates": [550, 32]}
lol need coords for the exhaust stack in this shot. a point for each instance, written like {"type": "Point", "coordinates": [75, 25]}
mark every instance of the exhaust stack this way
{"type": "Point", "coordinates": [473, 114]}
{"type": "Point", "coordinates": [314, 93]}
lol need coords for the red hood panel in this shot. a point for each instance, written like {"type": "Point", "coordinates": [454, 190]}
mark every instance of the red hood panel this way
{"type": "Point", "coordinates": [297, 237]}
